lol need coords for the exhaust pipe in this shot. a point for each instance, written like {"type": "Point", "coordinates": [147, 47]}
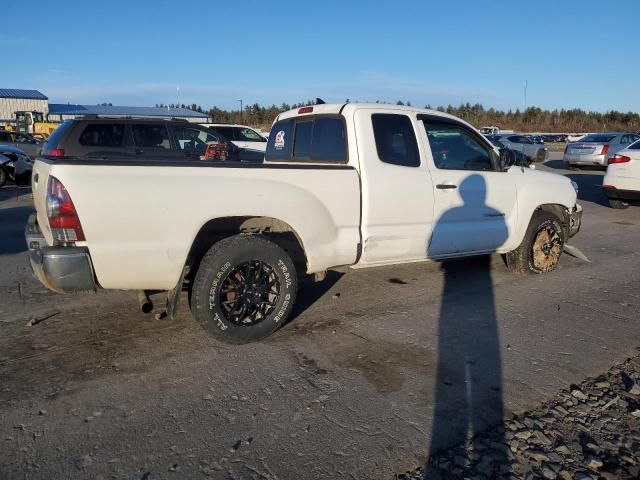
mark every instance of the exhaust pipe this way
{"type": "Point", "coordinates": [146, 305]}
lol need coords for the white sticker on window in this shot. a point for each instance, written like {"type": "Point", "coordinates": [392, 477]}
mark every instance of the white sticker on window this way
{"type": "Point", "coordinates": [278, 144]}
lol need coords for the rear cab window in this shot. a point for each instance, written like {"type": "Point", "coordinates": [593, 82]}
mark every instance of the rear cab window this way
{"type": "Point", "coordinates": [320, 139]}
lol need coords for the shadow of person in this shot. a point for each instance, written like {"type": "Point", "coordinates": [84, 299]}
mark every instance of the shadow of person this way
{"type": "Point", "coordinates": [468, 396]}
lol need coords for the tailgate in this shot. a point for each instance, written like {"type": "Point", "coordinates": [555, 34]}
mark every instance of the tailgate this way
{"type": "Point", "coordinates": [39, 181]}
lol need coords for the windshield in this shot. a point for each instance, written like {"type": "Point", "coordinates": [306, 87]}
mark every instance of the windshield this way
{"type": "Point", "coordinates": [597, 138]}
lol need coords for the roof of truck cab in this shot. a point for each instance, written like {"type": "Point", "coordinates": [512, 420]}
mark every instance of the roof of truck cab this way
{"type": "Point", "coordinates": [346, 108]}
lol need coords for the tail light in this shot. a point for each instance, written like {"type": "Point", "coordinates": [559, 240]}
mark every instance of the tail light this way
{"type": "Point", "coordinates": [305, 110]}
{"type": "Point", "coordinates": [605, 150]}
{"type": "Point", "coordinates": [55, 152]}
{"type": "Point", "coordinates": [619, 159]}
{"type": "Point", "coordinates": [62, 215]}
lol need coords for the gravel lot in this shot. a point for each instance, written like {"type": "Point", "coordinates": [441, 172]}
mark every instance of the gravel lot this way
{"type": "Point", "coordinates": [90, 388]}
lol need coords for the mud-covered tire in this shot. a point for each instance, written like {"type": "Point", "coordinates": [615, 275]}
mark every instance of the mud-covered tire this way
{"type": "Point", "coordinates": [541, 248]}
{"type": "Point", "coordinates": [618, 204]}
{"type": "Point", "coordinates": [3, 177]}
{"type": "Point", "coordinates": [223, 287]}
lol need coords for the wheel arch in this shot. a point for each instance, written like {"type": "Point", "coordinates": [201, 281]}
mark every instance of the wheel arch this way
{"type": "Point", "coordinates": [273, 229]}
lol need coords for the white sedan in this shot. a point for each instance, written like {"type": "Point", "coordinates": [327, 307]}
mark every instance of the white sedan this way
{"type": "Point", "coordinates": [621, 184]}
{"type": "Point", "coordinates": [241, 135]}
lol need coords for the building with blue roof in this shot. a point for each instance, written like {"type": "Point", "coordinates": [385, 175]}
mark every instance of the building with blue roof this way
{"type": "Point", "coordinates": [13, 100]}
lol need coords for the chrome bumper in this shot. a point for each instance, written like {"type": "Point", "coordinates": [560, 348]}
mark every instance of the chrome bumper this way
{"type": "Point", "coordinates": [575, 220]}
{"type": "Point", "coordinates": [61, 269]}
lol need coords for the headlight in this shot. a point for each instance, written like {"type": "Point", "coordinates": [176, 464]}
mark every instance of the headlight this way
{"type": "Point", "coordinates": [575, 186]}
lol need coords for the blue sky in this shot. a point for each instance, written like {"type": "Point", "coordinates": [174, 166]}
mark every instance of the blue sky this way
{"type": "Point", "coordinates": [572, 53]}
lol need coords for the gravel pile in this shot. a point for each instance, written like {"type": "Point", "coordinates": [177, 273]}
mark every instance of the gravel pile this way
{"type": "Point", "coordinates": [587, 432]}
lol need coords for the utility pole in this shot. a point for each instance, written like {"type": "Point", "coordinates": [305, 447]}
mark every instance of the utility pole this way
{"type": "Point", "coordinates": [525, 95]}
{"type": "Point", "coordinates": [178, 95]}
{"type": "Point", "coordinates": [241, 120]}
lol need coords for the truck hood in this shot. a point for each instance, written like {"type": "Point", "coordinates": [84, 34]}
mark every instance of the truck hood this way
{"type": "Point", "coordinates": [557, 188]}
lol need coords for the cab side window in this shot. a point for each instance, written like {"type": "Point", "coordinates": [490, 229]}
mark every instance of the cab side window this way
{"type": "Point", "coordinates": [395, 139]}
{"type": "Point", "coordinates": [454, 147]}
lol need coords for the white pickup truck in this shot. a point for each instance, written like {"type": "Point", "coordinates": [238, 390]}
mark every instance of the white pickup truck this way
{"type": "Point", "coordinates": [352, 184]}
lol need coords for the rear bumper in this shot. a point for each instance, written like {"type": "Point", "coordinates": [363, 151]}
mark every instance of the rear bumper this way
{"type": "Point", "coordinates": [61, 269]}
{"type": "Point", "coordinates": [575, 220]}
{"type": "Point", "coordinates": [575, 159]}
{"type": "Point", "coordinates": [617, 194]}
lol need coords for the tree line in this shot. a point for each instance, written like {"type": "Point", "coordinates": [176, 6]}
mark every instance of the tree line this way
{"type": "Point", "coordinates": [533, 119]}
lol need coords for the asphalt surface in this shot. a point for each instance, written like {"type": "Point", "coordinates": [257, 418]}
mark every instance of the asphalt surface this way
{"type": "Point", "coordinates": [347, 389]}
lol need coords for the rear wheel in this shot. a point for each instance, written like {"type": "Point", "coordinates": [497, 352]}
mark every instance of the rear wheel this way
{"type": "Point", "coordinates": [618, 204]}
{"type": "Point", "coordinates": [541, 247]}
{"type": "Point", "coordinates": [244, 289]}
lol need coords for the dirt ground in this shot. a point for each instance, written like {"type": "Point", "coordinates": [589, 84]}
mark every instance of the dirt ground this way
{"type": "Point", "coordinates": [347, 389]}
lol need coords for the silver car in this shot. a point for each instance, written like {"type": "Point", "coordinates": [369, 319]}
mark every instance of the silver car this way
{"type": "Point", "coordinates": [597, 148]}
{"type": "Point", "coordinates": [535, 152]}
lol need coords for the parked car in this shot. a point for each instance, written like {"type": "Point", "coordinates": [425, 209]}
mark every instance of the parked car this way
{"type": "Point", "coordinates": [536, 139]}
{"type": "Point", "coordinates": [533, 151]}
{"type": "Point", "coordinates": [516, 157]}
{"type": "Point", "coordinates": [344, 184]}
{"type": "Point", "coordinates": [554, 138]}
{"type": "Point", "coordinates": [241, 135]}
{"type": "Point", "coordinates": [131, 138]}
{"type": "Point", "coordinates": [575, 137]}
{"type": "Point", "coordinates": [597, 148]}
{"type": "Point", "coordinates": [27, 143]}
{"type": "Point", "coordinates": [621, 184]}
{"type": "Point", "coordinates": [15, 166]}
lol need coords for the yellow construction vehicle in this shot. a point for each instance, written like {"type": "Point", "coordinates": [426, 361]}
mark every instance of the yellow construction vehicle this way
{"type": "Point", "coordinates": [31, 122]}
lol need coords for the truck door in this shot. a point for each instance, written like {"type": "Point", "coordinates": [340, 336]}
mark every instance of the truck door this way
{"type": "Point", "coordinates": [475, 204]}
{"type": "Point", "coordinates": [397, 194]}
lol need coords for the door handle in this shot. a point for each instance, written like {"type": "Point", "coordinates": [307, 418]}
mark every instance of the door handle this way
{"type": "Point", "coordinates": [137, 151]}
{"type": "Point", "coordinates": [444, 186]}
{"type": "Point", "coordinates": [494, 214]}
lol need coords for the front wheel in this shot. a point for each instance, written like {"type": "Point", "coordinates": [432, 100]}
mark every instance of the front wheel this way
{"type": "Point", "coordinates": [244, 289]}
{"type": "Point", "coordinates": [3, 177]}
{"type": "Point", "coordinates": [541, 247]}
{"type": "Point", "coordinates": [618, 204]}
{"type": "Point", "coordinates": [541, 155]}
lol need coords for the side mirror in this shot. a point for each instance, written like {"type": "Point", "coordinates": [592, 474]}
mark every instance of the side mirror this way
{"type": "Point", "coordinates": [507, 159]}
